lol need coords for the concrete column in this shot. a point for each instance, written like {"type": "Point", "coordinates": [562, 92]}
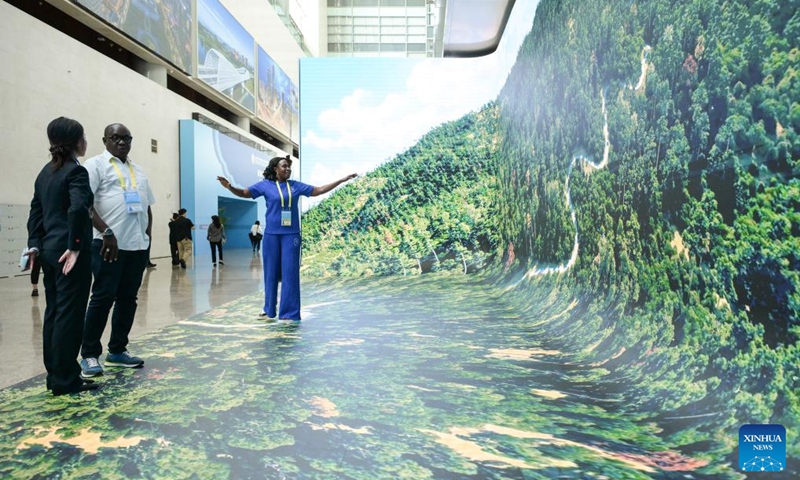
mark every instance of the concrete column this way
{"type": "Point", "coordinates": [156, 73]}
{"type": "Point", "coordinates": [243, 123]}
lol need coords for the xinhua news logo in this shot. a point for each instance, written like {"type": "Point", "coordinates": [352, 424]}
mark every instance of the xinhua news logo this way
{"type": "Point", "coordinates": [762, 448]}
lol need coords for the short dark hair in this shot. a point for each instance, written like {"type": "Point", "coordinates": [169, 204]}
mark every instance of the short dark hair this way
{"type": "Point", "coordinates": [269, 172]}
{"type": "Point", "coordinates": [181, 211]}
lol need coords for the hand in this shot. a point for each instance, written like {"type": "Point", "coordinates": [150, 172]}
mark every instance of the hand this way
{"type": "Point", "coordinates": [350, 177]}
{"type": "Point", "coordinates": [224, 182]}
{"type": "Point", "coordinates": [69, 258]}
{"type": "Point", "coordinates": [109, 250]}
{"type": "Point", "coordinates": [31, 254]}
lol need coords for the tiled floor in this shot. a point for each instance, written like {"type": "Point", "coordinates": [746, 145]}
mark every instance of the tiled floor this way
{"type": "Point", "coordinates": [167, 295]}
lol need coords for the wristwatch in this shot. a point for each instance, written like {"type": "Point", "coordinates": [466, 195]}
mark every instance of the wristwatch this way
{"type": "Point", "coordinates": [108, 232]}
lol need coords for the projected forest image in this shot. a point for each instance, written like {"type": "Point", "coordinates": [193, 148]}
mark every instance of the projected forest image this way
{"type": "Point", "coordinates": [639, 170]}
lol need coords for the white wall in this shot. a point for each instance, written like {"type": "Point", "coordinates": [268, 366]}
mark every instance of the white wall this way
{"type": "Point", "coordinates": [47, 74]}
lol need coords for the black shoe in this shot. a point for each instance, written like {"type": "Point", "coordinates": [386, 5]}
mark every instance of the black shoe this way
{"type": "Point", "coordinates": [35, 292]}
{"type": "Point", "coordinates": [151, 265]}
{"type": "Point", "coordinates": [183, 264]}
{"type": "Point", "coordinates": [80, 388]}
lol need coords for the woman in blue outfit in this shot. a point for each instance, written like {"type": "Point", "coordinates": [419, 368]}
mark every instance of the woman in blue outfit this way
{"type": "Point", "coordinates": [281, 252]}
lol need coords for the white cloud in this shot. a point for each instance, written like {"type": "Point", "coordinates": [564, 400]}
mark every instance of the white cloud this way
{"type": "Point", "coordinates": [369, 126]}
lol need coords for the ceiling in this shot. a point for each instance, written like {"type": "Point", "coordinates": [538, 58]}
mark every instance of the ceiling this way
{"type": "Point", "coordinates": [471, 28]}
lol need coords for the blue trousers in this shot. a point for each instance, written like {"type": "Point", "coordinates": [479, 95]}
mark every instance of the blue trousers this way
{"type": "Point", "coordinates": [281, 255]}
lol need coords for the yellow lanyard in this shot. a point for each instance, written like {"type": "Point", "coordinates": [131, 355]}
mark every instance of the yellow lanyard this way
{"type": "Point", "coordinates": [119, 174]}
{"type": "Point", "coordinates": [289, 189]}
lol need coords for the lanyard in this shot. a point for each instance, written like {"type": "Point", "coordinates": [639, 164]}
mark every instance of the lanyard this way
{"type": "Point", "coordinates": [119, 174]}
{"type": "Point", "coordinates": [289, 189]}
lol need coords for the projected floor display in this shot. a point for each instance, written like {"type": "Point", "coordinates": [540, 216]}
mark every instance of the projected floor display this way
{"type": "Point", "coordinates": [435, 377]}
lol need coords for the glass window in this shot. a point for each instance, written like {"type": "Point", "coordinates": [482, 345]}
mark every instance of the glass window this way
{"type": "Point", "coordinates": [365, 38]}
{"type": "Point", "coordinates": [416, 3]}
{"type": "Point", "coordinates": [416, 47]}
{"type": "Point", "coordinates": [366, 30]}
{"type": "Point", "coordinates": [366, 3]}
{"type": "Point", "coordinates": [340, 47]}
{"type": "Point", "coordinates": [393, 30]}
{"type": "Point", "coordinates": [345, 29]}
{"type": "Point", "coordinates": [340, 38]}
{"type": "Point", "coordinates": [393, 3]}
{"type": "Point", "coordinates": [365, 47]}
{"type": "Point", "coordinates": [340, 3]}
{"type": "Point", "coordinates": [393, 39]}
{"type": "Point", "coordinates": [393, 47]}
{"type": "Point", "coordinates": [366, 21]}
{"type": "Point", "coordinates": [393, 21]}
{"type": "Point", "coordinates": [416, 30]}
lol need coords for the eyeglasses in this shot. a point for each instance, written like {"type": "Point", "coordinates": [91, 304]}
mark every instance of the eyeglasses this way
{"type": "Point", "coordinates": [118, 138]}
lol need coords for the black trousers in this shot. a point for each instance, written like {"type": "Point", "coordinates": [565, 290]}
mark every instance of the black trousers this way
{"type": "Point", "coordinates": [218, 246]}
{"type": "Point", "coordinates": [36, 269]}
{"type": "Point", "coordinates": [115, 284]}
{"type": "Point", "coordinates": [173, 250]}
{"type": "Point", "coordinates": [62, 329]}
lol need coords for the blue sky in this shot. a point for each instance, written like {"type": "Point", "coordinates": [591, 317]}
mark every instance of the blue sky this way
{"type": "Point", "coordinates": [356, 113]}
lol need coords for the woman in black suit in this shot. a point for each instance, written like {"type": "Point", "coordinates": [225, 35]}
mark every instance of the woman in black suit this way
{"type": "Point", "coordinates": [60, 234]}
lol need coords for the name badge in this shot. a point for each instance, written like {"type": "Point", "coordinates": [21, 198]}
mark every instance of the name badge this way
{"type": "Point", "coordinates": [133, 203]}
{"type": "Point", "coordinates": [286, 218]}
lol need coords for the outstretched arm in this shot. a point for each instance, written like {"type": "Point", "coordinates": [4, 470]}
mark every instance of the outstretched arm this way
{"type": "Point", "coordinates": [327, 188]}
{"type": "Point", "coordinates": [239, 192]}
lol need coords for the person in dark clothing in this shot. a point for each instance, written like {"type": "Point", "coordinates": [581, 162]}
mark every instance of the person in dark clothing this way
{"type": "Point", "coordinates": [36, 269]}
{"type": "Point", "coordinates": [60, 237]}
{"type": "Point", "coordinates": [183, 233]}
{"type": "Point", "coordinates": [216, 238]}
{"type": "Point", "coordinates": [173, 241]}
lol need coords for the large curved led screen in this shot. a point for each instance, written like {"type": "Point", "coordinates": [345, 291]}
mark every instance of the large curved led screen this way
{"type": "Point", "coordinates": [626, 188]}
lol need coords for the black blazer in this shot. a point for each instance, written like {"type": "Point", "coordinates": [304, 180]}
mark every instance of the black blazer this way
{"type": "Point", "coordinates": [59, 218]}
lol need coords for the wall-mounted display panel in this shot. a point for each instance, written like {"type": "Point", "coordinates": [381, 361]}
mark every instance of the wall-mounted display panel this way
{"type": "Point", "coordinates": [275, 94]}
{"type": "Point", "coordinates": [225, 54]}
{"type": "Point", "coordinates": [163, 26]}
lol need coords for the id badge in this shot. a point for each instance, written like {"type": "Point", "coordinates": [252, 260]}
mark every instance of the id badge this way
{"type": "Point", "coordinates": [286, 218]}
{"type": "Point", "coordinates": [133, 203]}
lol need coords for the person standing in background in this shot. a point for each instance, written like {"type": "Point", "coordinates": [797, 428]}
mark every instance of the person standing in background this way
{"type": "Point", "coordinates": [183, 234]}
{"type": "Point", "coordinates": [123, 221]}
{"type": "Point", "coordinates": [59, 238]}
{"type": "Point", "coordinates": [36, 268]}
{"type": "Point", "coordinates": [173, 241]}
{"type": "Point", "coordinates": [256, 235]}
{"type": "Point", "coordinates": [216, 238]}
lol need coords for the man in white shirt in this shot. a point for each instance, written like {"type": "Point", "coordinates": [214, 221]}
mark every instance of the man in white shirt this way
{"type": "Point", "coordinates": [122, 221]}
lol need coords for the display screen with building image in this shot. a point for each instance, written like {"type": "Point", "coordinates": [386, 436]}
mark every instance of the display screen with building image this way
{"type": "Point", "coordinates": [276, 94]}
{"type": "Point", "coordinates": [163, 26]}
{"type": "Point", "coordinates": [225, 54]}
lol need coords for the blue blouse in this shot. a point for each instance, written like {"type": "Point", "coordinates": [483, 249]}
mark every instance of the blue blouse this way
{"type": "Point", "coordinates": [269, 190]}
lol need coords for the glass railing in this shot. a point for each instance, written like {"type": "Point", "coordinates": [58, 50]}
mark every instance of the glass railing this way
{"type": "Point", "coordinates": [290, 25]}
